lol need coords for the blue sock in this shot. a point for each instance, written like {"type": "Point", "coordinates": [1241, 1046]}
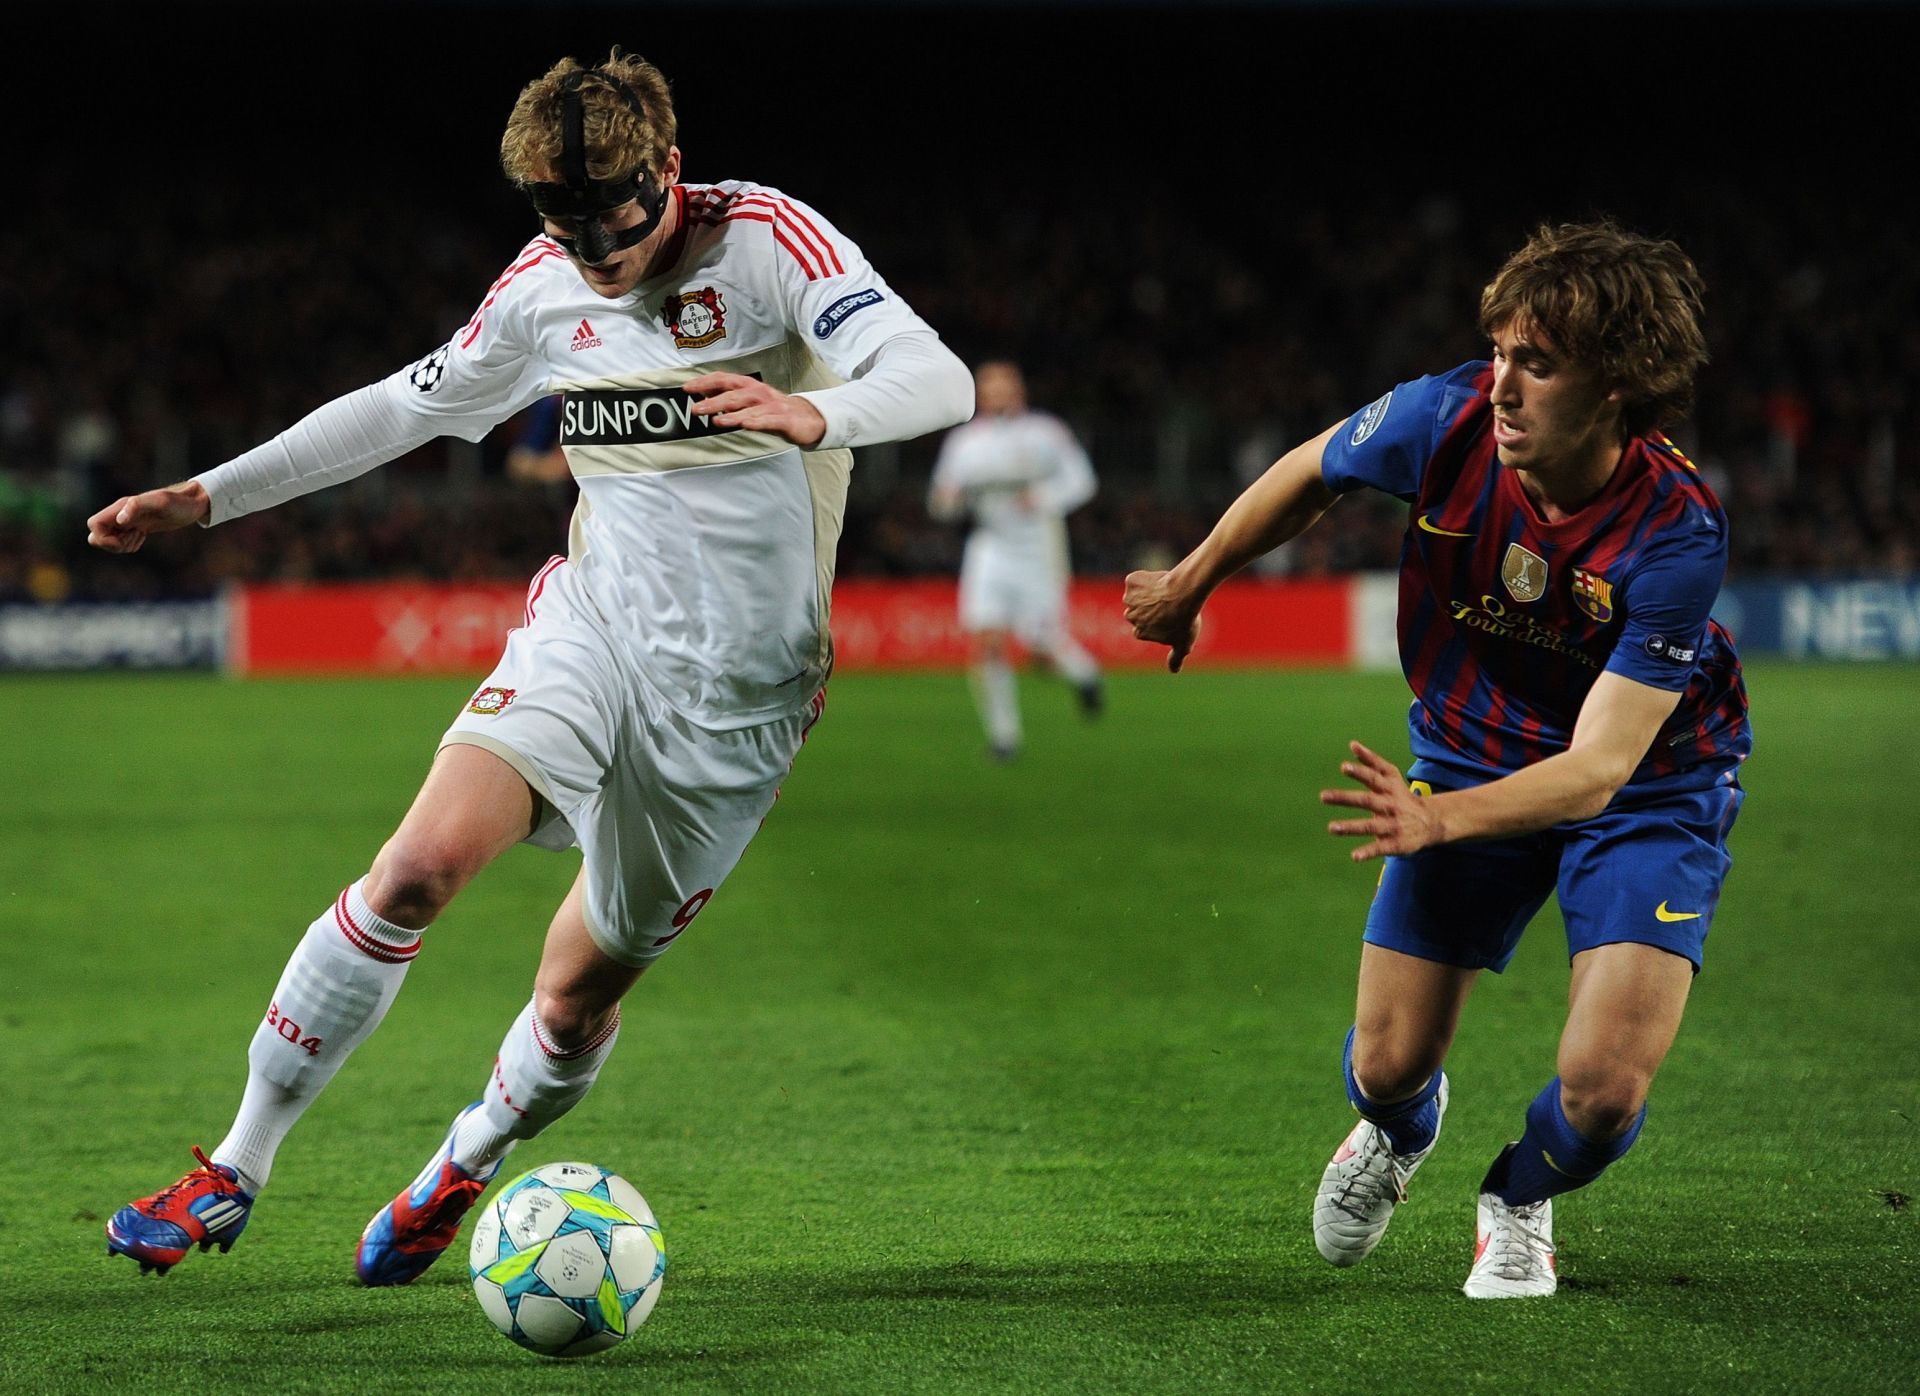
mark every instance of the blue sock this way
{"type": "Point", "coordinates": [1553, 1157]}
{"type": "Point", "coordinates": [1408, 1124]}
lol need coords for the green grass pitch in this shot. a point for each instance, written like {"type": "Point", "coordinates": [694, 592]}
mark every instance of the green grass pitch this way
{"type": "Point", "coordinates": [972, 1079]}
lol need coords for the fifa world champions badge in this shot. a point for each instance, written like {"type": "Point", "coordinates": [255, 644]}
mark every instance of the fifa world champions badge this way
{"type": "Point", "coordinates": [697, 318]}
{"type": "Point", "coordinates": [491, 702]}
{"type": "Point", "coordinates": [1524, 573]}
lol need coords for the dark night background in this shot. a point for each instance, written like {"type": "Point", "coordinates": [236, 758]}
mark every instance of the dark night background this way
{"type": "Point", "coordinates": [1207, 231]}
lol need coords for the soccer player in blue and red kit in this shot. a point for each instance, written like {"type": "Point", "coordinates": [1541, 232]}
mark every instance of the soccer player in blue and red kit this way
{"type": "Point", "coordinates": [1578, 721]}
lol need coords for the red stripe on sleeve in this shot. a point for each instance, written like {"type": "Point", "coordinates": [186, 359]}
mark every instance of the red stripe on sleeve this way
{"type": "Point", "coordinates": [834, 257]}
{"type": "Point", "coordinates": [797, 224]}
{"type": "Point", "coordinates": [783, 216]}
{"type": "Point", "coordinates": [807, 263]}
{"type": "Point", "coordinates": [781, 238]}
{"type": "Point", "coordinates": [472, 330]}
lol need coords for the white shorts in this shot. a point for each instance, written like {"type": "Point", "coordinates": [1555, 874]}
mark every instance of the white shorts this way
{"type": "Point", "coordinates": [1000, 590]}
{"type": "Point", "coordinates": [661, 809]}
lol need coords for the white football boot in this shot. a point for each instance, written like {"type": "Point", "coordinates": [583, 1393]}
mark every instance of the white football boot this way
{"type": "Point", "coordinates": [1362, 1186]}
{"type": "Point", "coordinates": [1513, 1257]}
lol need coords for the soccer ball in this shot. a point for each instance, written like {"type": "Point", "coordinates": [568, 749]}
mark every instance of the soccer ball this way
{"type": "Point", "coordinates": [567, 1260]}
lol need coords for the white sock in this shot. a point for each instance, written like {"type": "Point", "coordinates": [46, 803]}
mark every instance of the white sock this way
{"type": "Point", "coordinates": [997, 694]}
{"type": "Point", "coordinates": [533, 1084]}
{"type": "Point", "coordinates": [333, 992]}
{"type": "Point", "coordinates": [1076, 666]}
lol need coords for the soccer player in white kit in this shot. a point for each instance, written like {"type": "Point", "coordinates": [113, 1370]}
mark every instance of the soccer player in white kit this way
{"type": "Point", "coordinates": [720, 346]}
{"type": "Point", "coordinates": [1019, 473]}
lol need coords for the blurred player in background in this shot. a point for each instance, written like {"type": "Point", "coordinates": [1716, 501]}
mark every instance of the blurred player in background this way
{"type": "Point", "coordinates": [1019, 473]}
{"type": "Point", "coordinates": [1578, 720]}
{"type": "Point", "coordinates": [720, 346]}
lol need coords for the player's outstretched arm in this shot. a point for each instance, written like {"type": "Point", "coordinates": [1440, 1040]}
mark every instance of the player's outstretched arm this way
{"type": "Point", "coordinates": [123, 525]}
{"type": "Point", "coordinates": [1164, 607]}
{"type": "Point", "coordinates": [1618, 723]}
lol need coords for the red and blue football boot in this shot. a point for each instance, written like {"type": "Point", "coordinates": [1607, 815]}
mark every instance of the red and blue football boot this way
{"type": "Point", "coordinates": [409, 1233]}
{"type": "Point", "coordinates": [207, 1208]}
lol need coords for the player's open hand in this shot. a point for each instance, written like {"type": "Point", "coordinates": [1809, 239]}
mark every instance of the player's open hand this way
{"type": "Point", "coordinates": [1161, 615]}
{"type": "Point", "coordinates": [1401, 823]}
{"type": "Point", "coordinates": [123, 525]}
{"type": "Point", "coordinates": [735, 400]}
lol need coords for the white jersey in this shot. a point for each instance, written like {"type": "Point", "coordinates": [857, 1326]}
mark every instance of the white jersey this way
{"type": "Point", "coordinates": [707, 551]}
{"type": "Point", "coordinates": [1019, 477]}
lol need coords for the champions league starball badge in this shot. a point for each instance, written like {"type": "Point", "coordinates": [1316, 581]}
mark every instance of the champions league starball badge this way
{"type": "Point", "coordinates": [428, 374]}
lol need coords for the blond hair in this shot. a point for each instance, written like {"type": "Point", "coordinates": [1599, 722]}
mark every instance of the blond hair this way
{"type": "Point", "coordinates": [1626, 305]}
{"type": "Point", "coordinates": [618, 142]}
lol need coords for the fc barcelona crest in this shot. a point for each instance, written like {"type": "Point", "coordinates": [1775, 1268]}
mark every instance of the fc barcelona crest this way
{"type": "Point", "coordinates": [697, 318]}
{"type": "Point", "coordinates": [1593, 594]}
{"type": "Point", "coordinates": [1524, 574]}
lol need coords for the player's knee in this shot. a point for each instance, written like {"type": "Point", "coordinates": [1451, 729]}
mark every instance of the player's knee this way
{"type": "Point", "coordinates": [1387, 1070]}
{"type": "Point", "coordinates": [415, 877]}
{"type": "Point", "coordinates": [1602, 1099]}
{"type": "Point", "coordinates": [572, 1018]}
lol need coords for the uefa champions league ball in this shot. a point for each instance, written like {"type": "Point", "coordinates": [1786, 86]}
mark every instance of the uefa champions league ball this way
{"type": "Point", "coordinates": [567, 1260]}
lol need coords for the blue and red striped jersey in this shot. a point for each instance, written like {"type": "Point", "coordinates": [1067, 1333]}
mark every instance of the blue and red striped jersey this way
{"type": "Point", "coordinates": [1506, 620]}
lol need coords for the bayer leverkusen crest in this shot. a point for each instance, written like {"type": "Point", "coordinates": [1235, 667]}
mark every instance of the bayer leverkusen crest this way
{"type": "Point", "coordinates": [697, 318]}
{"type": "Point", "coordinates": [491, 702]}
{"type": "Point", "coordinates": [1593, 594]}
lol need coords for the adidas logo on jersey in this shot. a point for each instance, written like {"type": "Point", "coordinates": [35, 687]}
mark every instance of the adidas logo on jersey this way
{"type": "Point", "coordinates": [585, 338]}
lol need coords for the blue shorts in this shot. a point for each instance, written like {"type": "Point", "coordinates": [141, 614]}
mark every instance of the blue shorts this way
{"type": "Point", "coordinates": [1648, 870]}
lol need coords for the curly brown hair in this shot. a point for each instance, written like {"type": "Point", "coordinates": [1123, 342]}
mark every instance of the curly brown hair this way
{"type": "Point", "coordinates": [1627, 305]}
{"type": "Point", "coordinates": [618, 142]}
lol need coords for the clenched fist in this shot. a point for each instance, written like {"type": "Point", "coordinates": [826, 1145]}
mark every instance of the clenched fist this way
{"type": "Point", "coordinates": [123, 525]}
{"type": "Point", "coordinates": [1160, 614]}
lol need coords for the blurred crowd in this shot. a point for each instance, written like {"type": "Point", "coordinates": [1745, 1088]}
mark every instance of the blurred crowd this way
{"type": "Point", "coordinates": [1187, 351]}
